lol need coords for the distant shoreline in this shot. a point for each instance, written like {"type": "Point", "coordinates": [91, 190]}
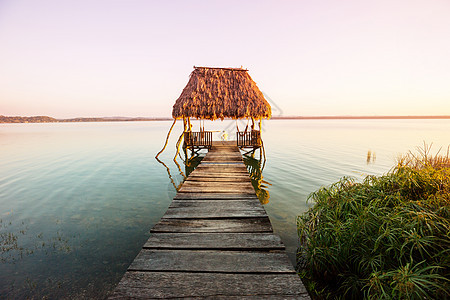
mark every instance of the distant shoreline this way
{"type": "Point", "coordinates": [358, 117]}
{"type": "Point", "coordinates": [46, 119]}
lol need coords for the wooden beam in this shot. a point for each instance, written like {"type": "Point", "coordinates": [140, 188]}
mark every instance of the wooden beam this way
{"type": "Point", "coordinates": [140, 285]}
{"type": "Point", "coordinates": [204, 209]}
{"type": "Point", "coordinates": [252, 225]}
{"type": "Point", "coordinates": [214, 241]}
{"type": "Point", "coordinates": [211, 261]}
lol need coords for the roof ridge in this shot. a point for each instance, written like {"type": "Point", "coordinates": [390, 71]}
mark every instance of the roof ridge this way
{"type": "Point", "coordinates": [220, 68]}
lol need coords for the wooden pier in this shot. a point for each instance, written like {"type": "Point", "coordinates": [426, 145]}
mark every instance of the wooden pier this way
{"type": "Point", "coordinates": [214, 241]}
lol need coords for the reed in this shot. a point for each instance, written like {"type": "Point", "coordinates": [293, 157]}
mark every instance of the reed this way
{"type": "Point", "coordinates": [387, 237]}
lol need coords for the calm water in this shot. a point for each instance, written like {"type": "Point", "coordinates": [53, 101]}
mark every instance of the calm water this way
{"type": "Point", "coordinates": [77, 200]}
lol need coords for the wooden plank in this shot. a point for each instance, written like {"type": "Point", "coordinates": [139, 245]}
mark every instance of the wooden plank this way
{"type": "Point", "coordinates": [251, 225]}
{"type": "Point", "coordinates": [218, 179]}
{"type": "Point", "coordinates": [224, 143]}
{"type": "Point", "coordinates": [222, 168]}
{"type": "Point", "coordinates": [219, 205]}
{"type": "Point", "coordinates": [163, 285]}
{"type": "Point", "coordinates": [224, 154]}
{"type": "Point", "coordinates": [247, 191]}
{"type": "Point", "coordinates": [216, 189]}
{"type": "Point", "coordinates": [218, 185]}
{"type": "Point", "coordinates": [214, 209]}
{"type": "Point", "coordinates": [217, 173]}
{"type": "Point", "coordinates": [196, 213]}
{"type": "Point", "coordinates": [210, 241]}
{"type": "Point", "coordinates": [233, 156]}
{"type": "Point", "coordinates": [233, 164]}
{"type": "Point", "coordinates": [224, 151]}
{"type": "Point", "coordinates": [230, 146]}
{"type": "Point", "coordinates": [197, 173]}
{"type": "Point", "coordinates": [226, 161]}
{"type": "Point", "coordinates": [211, 261]}
{"type": "Point", "coordinates": [221, 161]}
{"type": "Point", "coordinates": [214, 196]}
{"type": "Point", "coordinates": [231, 150]}
{"type": "Point", "coordinates": [222, 158]}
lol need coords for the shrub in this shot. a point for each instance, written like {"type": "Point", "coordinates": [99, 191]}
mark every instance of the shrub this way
{"type": "Point", "coordinates": [387, 237]}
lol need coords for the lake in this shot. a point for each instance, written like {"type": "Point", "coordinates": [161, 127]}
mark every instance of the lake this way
{"type": "Point", "coordinates": [77, 200]}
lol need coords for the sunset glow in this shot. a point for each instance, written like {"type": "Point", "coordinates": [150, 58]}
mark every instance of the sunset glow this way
{"type": "Point", "coordinates": [312, 58]}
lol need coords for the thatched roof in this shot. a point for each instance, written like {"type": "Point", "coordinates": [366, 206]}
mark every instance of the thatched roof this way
{"type": "Point", "coordinates": [218, 93]}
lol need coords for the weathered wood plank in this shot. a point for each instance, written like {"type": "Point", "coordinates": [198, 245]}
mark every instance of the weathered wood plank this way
{"type": "Point", "coordinates": [237, 156]}
{"type": "Point", "coordinates": [222, 168]}
{"type": "Point", "coordinates": [219, 185]}
{"type": "Point", "coordinates": [219, 205]}
{"type": "Point", "coordinates": [224, 154]}
{"type": "Point", "coordinates": [231, 148]}
{"type": "Point", "coordinates": [229, 165]}
{"type": "Point", "coordinates": [216, 189]}
{"type": "Point", "coordinates": [224, 143]}
{"type": "Point", "coordinates": [211, 261]}
{"type": "Point", "coordinates": [223, 162]}
{"type": "Point", "coordinates": [237, 176]}
{"type": "Point", "coordinates": [214, 196]}
{"type": "Point", "coordinates": [227, 151]}
{"type": "Point", "coordinates": [219, 179]}
{"type": "Point", "coordinates": [214, 209]}
{"type": "Point", "coordinates": [251, 225]}
{"type": "Point", "coordinates": [204, 173]}
{"type": "Point", "coordinates": [163, 285]}
{"type": "Point", "coordinates": [222, 159]}
{"type": "Point", "coordinates": [244, 241]}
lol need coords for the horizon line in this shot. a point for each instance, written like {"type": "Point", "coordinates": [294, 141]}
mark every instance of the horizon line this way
{"type": "Point", "coordinates": [47, 119]}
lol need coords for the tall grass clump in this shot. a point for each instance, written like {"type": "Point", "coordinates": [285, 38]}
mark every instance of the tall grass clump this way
{"type": "Point", "coordinates": [385, 238]}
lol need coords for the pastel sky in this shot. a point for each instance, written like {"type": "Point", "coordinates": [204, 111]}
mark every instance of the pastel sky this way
{"type": "Point", "coordinates": [82, 58]}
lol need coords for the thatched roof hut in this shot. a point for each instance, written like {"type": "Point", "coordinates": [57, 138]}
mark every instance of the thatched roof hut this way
{"type": "Point", "coordinates": [218, 93]}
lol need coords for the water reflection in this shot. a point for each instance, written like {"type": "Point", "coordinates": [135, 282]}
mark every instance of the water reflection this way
{"type": "Point", "coordinates": [192, 163]}
{"type": "Point", "coordinates": [371, 157]}
{"type": "Point", "coordinates": [255, 168]}
{"type": "Point", "coordinates": [176, 186]}
{"type": "Point", "coordinates": [189, 165]}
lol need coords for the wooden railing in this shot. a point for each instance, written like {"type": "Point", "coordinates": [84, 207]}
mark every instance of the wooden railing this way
{"type": "Point", "coordinates": [202, 138]}
{"type": "Point", "coordinates": [249, 138]}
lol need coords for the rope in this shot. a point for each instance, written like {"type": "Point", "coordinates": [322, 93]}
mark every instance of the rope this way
{"type": "Point", "coordinates": [178, 145]}
{"type": "Point", "coordinates": [167, 139]}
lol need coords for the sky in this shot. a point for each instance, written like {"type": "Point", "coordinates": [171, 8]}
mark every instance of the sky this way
{"type": "Point", "coordinates": [97, 58]}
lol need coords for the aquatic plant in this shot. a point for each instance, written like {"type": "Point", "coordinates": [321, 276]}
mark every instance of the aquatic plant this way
{"type": "Point", "coordinates": [387, 237]}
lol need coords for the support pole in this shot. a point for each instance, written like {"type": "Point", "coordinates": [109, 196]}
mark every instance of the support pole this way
{"type": "Point", "coordinates": [167, 139]}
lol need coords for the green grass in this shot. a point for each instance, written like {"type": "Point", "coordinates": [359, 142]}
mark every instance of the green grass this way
{"type": "Point", "coordinates": [387, 237]}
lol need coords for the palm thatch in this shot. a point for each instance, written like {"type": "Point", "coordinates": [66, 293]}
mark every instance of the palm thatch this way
{"type": "Point", "coordinates": [218, 93]}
